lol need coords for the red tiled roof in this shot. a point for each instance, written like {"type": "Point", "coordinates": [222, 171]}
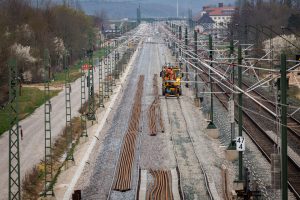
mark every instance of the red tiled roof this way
{"type": "Point", "coordinates": [220, 11]}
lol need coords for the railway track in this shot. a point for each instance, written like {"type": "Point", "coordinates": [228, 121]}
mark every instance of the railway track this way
{"type": "Point", "coordinates": [162, 187]}
{"type": "Point", "coordinates": [259, 136]}
{"type": "Point", "coordinates": [154, 111]}
{"type": "Point", "coordinates": [293, 123]}
{"type": "Point", "coordinates": [293, 133]}
{"type": "Point", "coordinates": [206, 183]}
{"type": "Point", "coordinates": [122, 180]}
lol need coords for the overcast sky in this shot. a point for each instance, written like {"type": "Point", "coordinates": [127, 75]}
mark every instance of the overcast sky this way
{"type": "Point", "coordinates": [150, 8]}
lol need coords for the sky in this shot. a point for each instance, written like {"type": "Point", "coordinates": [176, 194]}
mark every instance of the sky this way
{"type": "Point", "coordinates": [150, 8]}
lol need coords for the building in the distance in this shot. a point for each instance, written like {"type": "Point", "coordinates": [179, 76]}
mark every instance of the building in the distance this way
{"type": "Point", "coordinates": [221, 14]}
{"type": "Point", "coordinates": [213, 19]}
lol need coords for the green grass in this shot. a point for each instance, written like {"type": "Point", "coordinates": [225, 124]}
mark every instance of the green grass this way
{"type": "Point", "coordinates": [99, 53]}
{"type": "Point", "coordinates": [30, 99]}
{"type": "Point", "coordinates": [74, 72]}
{"type": "Point", "coordinates": [59, 78]}
{"type": "Point", "coordinates": [33, 98]}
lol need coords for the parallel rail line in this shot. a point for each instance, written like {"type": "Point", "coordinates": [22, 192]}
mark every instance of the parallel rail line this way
{"type": "Point", "coordinates": [292, 121]}
{"type": "Point", "coordinates": [293, 133]}
{"type": "Point", "coordinates": [260, 138]}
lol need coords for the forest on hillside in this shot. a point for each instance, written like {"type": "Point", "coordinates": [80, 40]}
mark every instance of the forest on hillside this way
{"type": "Point", "coordinates": [26, 31]}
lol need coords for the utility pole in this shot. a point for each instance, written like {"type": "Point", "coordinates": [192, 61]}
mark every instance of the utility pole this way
{"type": "Point", "coordinates": [68, 107]}
{"type": "Point", "coordinates": [180, 50]}
{"type": "Point", "coordinates": [113, 68]}
{"type": "Point", "coordinates": [106, 83]}
{"type": "Point", "coordinates": [195, 42]}
{"type": "Point", "coordinates": [83, 116]}
{"type": "Point", "coordinates": [231, 51]}
{"type": "Point", "coordinates": [14, 192]}
{"type": "Point", "coordinates": [101, 87]}
{"type": "Point", "coordinates": [283, 126]}
{"type": "Point", "coordinates": [196, 54]}
{"type": "Point", "coordinates": [176, 43]}
{"type": "Point", "coordinates": [186, 57]}
{"type": "Point", "coordinates": [90, 81]}
{"type": "Point", "coordinates": [138, 13]}
{"type": "Point", "coordinates": [48, 187]}
{"type": "Point", "coordinates": [117, 70]}
{"type": "Point", "coordinates": [211, 124]}
{"type": "Point", "coordinates": [190, 18]}
{"type": "Point", "coordinates": [173, 29]}
{"type": "Point", "coordinates": [180, 33]}
{"type": "Point", "coordinates": [110, 73]}
{"type": "Point", "coordinates": [240, 104]}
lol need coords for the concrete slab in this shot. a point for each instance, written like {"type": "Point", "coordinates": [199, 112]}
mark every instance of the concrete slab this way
{"type": "Point", "coordinates": [213, 133]}
{"type": "Point", "coordinates": [231, 155]}
{"type": "Point", "coordinates": [175, 181]}
{"type": "Point", "coordinates": [143, 185]}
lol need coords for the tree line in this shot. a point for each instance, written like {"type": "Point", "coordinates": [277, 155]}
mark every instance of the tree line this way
{"type": "Point", "coordinates": [27, 30]}
{"type": "Point", "coordinates": [259, 21]}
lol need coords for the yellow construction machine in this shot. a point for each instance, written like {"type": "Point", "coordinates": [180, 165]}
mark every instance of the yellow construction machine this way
{"type": "Point", "coordinates": [171, 80]}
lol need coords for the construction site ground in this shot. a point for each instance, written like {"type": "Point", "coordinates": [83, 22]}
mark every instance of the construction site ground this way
{"type": "Point", "coordinates": [183, 145]}
{"type": "Point", "coordinates": [184, 123]}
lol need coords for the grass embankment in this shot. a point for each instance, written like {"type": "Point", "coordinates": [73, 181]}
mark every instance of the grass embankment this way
{"type": "Point", "coordinates": [29, 100]}
{"type": "Point", "coordinates": [33, 98]}
{"type": "Point", "coordinates": [33, 183]}
{"type": "Point", "coordinates": [75, 73]}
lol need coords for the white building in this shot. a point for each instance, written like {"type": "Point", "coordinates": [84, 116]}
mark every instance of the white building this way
{"type": "Point", "coordinates": [214, 20]}
{"type": "Point", "coordinates": [221, 15]}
